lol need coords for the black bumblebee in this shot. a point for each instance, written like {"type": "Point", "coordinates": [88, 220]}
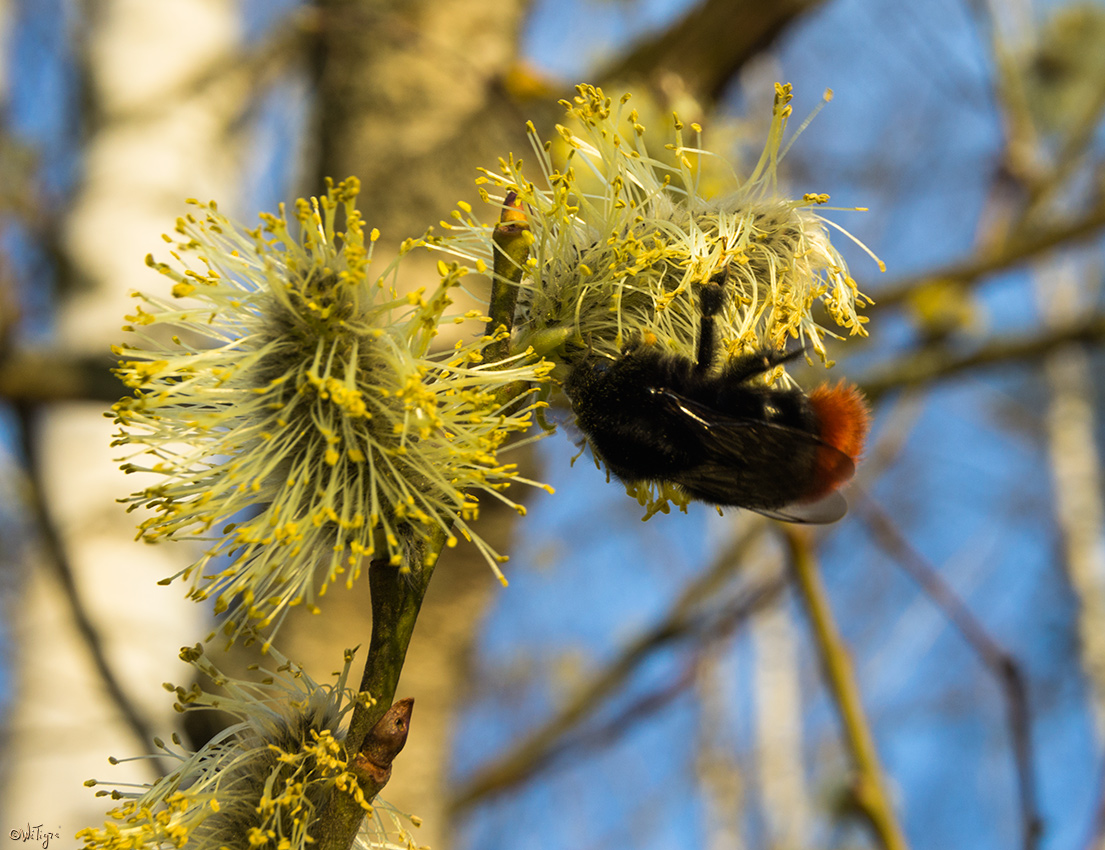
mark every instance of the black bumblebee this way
{"type": "Point", "coordinates": [652, 415]}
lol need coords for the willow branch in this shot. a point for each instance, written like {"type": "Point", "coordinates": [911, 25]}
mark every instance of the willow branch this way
{"type": "Point", "coordinates": [397, 595]}
{"type": "Point", "coordinates": [511, 247]}
{"type": "Point", "coordinates": [396, 600]}
{"type": "Point", "coordinates": [870, 789]}
{"type": "Point", "coordinates": [1025, 246]}
{"type": "Point", "coordinates": [933, 363]}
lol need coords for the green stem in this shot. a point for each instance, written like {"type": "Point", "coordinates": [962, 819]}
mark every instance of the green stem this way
{"type": "Point", "coordinates": [396, 601]}
{"type": "Point", "coordinates": [870, 786]}
{"type": "Point", "coordinates": [397, 597]}
{"type": "Point", "coordinates": [511, 247]}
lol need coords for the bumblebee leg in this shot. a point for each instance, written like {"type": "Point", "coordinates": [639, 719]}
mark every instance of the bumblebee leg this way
{"type": "Point", "coordinates": [747, 366]}
{"type": "Point", "coordinates": [711, 299]}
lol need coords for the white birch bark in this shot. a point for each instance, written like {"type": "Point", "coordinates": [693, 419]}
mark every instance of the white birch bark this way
{"type": "Point", "coordinates": [1076, 478]}
{"type": "Point", "coordinates": [780, 768]}
{"type": "Point", "coordinates": [157, 139]}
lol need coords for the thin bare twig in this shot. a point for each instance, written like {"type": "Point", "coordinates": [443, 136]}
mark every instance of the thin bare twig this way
{"type": "Point", "coordinates": [998, 661]}
{"type": "Point", "coordinates": [616, 727]}
{"type": "Point", "coordinates": [684, 620]}
{"type": "Point", "coordinates": [715, 628]}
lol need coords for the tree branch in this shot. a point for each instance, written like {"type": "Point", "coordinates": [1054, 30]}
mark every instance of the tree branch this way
{"type": "Point", "coordinates": [692, 49]}
{"type": "Point", "coordinates": [397, 595]}
{"type": "Point", "coordinates": [1018, 248]}
{"type": "Point", "coordinates": [396, 600]}
{"type": "Point", "coordinates": [934, 362]}
{"type": "Point", "coordinates": [685, 619]}
{"type": "Point", "coordinates": [52, 376]}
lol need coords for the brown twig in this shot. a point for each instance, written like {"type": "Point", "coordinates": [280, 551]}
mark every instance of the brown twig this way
{"type": "Point", "coordinates": [998, 661]}
{"type": "Point", "coordinates": [384, 741]}
{"type": "Point", "coordinates": [1013, 252]}
{"type": "Point", "coordinates": [870, 791]}
{"type": "Point", "coordinates": [932, 363]}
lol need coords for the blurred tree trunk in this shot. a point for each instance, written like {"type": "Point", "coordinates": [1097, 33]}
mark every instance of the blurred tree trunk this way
{"type": "Point", "coordinates": [153, 140]}
{"type": "Point", "coordinates": [411, 99]}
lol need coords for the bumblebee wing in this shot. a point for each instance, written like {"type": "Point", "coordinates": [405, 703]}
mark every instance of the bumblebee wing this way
{"type": "Point", "coordinates": [777, 470]}
{"type": "Point", "coordinates": [730, 436]}
{"type": "Point", "coordinates": [825, 510]}
{"type": "Point", "coordinates": [718, 484]}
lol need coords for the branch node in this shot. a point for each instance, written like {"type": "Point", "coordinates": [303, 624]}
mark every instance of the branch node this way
{"type": "Point", "coordinates": [382, 744]}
